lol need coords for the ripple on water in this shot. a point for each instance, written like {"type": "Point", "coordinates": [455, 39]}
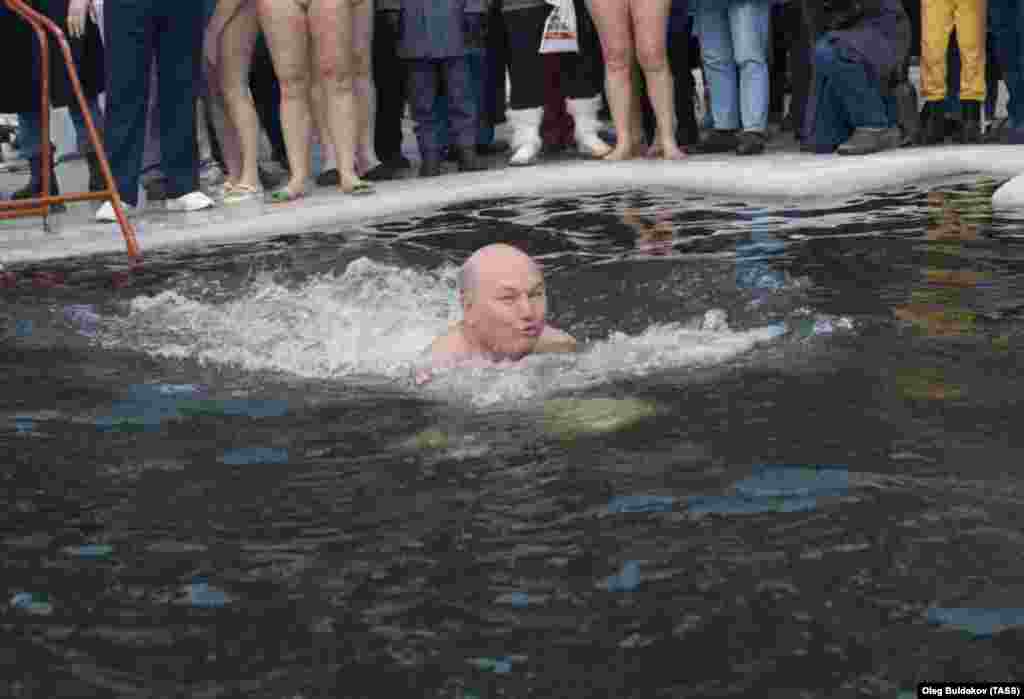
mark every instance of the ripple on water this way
{"type": "Point", "coordinates": [977, 621]}
{"type": "Point", "coordinates": [776, 489]}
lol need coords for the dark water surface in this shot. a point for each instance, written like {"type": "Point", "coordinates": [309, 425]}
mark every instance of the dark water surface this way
{"type": "Point", "coordinates": [829, 515]}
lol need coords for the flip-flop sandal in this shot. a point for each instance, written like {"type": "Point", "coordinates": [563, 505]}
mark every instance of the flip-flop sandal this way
{"type": "Point", "coordinates": [283, 196]}
{"type": "Point", "coordinates": [241, 192]}
{"type": "Point", "coordinates": [361, 189]}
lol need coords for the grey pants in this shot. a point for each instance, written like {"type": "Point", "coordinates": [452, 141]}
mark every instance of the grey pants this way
{"type": "Point", "coordinates": [425, 77]}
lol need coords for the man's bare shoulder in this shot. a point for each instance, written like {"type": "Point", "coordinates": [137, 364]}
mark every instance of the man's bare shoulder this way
{"type": "Point", "coordinates": [554, 340]}
{"type": "Point", "coordinates": [450, 344]}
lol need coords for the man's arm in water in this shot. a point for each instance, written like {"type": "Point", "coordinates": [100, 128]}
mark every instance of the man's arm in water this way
{"type": "Point", "coordinates": [452, 344]}
{"type": "Point", "coordinates": [553, 340]}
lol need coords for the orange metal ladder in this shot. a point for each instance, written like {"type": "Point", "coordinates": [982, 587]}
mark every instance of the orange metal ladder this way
{"type": "Point", "coordinates": [40, 206]}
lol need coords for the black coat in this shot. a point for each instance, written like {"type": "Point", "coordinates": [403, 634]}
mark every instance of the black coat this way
{"type": "Point", "coordinates": [20, 91]}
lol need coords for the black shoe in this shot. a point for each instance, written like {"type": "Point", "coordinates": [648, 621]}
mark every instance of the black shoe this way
{"type": "Point", "coordinates": [468, 161]}
{"type": "Point", "coordinates": [719, 141]}
{"type": "Point", "coordinates": [933, 124]}
{"type": "Point", "coordinates": [398, 162]}
{"type": "Point", "coordinates": [34, 188]}
{"type": "Point", "coordinates": [996, 132]}
{"type": "Point", "coordinates": [750, 143]}
{"type": "Point", "coordinates": [866, 141]}
{"type": "Point", "coordinates": [492, 148]}
{"type": "Point", "coordinates": [381, 172]}
{"type": "Point", "coordinates": [270, 181]}
{"type": "Point", "coordinates": [328, 178]}
{"type": "Point", "coordinates": [430, 167]}
{"type": "Point", "coordinates": [450, 154]}
{"type": "Point", "coordinates": [970, 128]}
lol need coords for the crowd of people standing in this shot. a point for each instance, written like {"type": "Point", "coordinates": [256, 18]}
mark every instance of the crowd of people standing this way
{"type": "Point", "coordinates": [175, 75]}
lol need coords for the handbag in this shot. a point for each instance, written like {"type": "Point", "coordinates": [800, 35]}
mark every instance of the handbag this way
{"type": "Point", "coordinates": [560, 34]}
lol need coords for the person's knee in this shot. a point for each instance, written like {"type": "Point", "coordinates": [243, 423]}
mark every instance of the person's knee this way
{"type": "Point", "coordinates": [652, 56]}
{"type": "Point", "coordinates": [335, 77]}
{"type": "Point", "coordinates": [294, 85]}
{"type": "Point", "coordinates": [618, 57]}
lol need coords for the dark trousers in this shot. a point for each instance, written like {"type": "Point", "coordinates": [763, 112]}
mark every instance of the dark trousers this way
{"type": "Point", "coordinates": [581, 77]}
{"type": "Point", "coordinates": [136, 31]}
{"type": "Point", "coordinates": [496, 96]}
{"type": "Point", "coordinates": [846, 97]}
{"type": "Point", "coordinates": [1006, 20]}
{"type": "Point", "coordinates": [800, 71]}
{"type": "Point", "coordinates": [266, 95]}
{"type": "Point", "coordinates": [425, 76]}
{"type": "Point", "coordinates": [391, 82]}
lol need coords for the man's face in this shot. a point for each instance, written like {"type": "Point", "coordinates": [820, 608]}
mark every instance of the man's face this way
{"type": "Point", "coordinates": [506, 310]}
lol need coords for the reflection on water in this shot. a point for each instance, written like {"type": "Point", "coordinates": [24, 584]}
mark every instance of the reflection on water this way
{"type": "Point", "coordinates": [785, 464]}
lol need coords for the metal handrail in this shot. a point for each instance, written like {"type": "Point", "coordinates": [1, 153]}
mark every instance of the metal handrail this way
{"type": "Point", "coordinates": [40, 206]}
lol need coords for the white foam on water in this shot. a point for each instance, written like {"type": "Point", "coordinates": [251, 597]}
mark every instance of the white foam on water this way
{"type": "Point", "coordinates": [370, 319]}
{"type": "Point", "coordinates": [1010, 195]}
{"type": "Point", "coordinates": [376, 319]}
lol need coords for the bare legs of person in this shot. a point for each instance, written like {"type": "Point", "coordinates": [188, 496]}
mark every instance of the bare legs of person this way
{"type": "Point", "coordinates": [341, 41]}
{"type": "Point", "coordinates": [611, 17]}
{"type": "Point", "coordinates": [240, 137]}
{"type": "Point", "coordinates": [636, 30]}
{"type": "Point", "coordinates": [650, 27]}
{"type": "Point", "coordinates": [286, 26]}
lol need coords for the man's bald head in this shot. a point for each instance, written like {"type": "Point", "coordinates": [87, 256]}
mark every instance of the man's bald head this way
{"type": "Point", "coordinates": [488, 263]}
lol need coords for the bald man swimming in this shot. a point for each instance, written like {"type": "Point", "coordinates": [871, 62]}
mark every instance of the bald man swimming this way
{"type": "Point", "coordinates": [504, 307]}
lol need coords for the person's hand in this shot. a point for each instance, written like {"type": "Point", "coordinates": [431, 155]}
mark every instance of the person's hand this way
{"type": "Point", "coordinates": [78, 11]}
{"type": "Point", "coordinates": [474, 26]}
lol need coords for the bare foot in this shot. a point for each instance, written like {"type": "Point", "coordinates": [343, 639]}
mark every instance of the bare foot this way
{"type": "Point", "coordinates": [599, 149]}
{"type": "Point", "coordinates": [296, 187]}
{"type": "Point", "coordinates": [672, 152]}
{"type": "Point", "coordinates": [354, 185]}
{"type": "Point", "coordinates": [620, 153]}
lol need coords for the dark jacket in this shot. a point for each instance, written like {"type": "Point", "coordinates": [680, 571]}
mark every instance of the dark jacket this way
{"type": "Point", "coordinates": [21, 86]}
{"type": "Point", "coordinates": [878, 33]}
{"type": "Point", "coordinates": [435, 28]}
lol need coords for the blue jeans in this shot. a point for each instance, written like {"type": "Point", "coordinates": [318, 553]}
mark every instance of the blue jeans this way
{"type": "Point", "coordinates": [1006, 22]}
{"type": "Point", "coordinates": [30, 128]}
{"type": "Point", "coordinates": [734, 37]}
{"type": "Point", "coordinates": [845, 96]}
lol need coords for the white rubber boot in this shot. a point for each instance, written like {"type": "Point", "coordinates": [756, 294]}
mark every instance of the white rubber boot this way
{"type": "Point", "coordinates": [584, 114]}
{"type": "Point", "coordinates": [526, 141]}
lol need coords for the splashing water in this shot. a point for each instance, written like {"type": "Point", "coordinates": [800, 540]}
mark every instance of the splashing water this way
{"type": "Point", "coordinates": [376, 319]}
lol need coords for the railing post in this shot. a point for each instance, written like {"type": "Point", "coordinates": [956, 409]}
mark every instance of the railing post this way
{"type": "Point", "coordinates": [41, 205]}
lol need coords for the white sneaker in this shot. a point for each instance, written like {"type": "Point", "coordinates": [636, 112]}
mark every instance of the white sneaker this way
{"type": "Point", "coordinates": [193, 201]}
{"type": "Point", "coordinates": [106, 212]}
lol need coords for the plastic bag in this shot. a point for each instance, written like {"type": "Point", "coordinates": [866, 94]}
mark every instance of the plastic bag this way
{"type": "Point", "coordinates": [560, 29]}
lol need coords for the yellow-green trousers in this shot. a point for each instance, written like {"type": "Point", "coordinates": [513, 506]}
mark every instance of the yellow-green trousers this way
{"type": "Point", "coordinates": [938, 19]}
